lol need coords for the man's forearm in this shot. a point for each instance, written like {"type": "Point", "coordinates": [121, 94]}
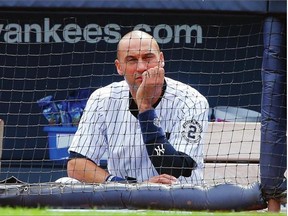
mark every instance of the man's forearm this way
{"type": "Point", "coordinates": [162, 154]}
{"type": "Point", "coordinates": [85, 170]}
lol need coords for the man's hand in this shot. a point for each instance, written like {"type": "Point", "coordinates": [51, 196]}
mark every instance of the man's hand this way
{"type": "Point", "coordinates": [163, 179]}
{"type": "Point", "coordinates": [150, 89]}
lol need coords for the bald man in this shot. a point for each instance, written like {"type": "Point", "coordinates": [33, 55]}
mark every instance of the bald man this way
{"type": "Point", "coordinates": [150, 126]}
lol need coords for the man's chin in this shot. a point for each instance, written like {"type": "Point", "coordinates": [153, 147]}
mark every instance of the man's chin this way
{"type": "Point", "coordinates": [137, 83]}
{"type": "Point", "coordinates": [135, 87]}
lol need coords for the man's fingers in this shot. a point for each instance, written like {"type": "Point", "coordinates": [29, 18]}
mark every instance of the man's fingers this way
{"type": "Point", "coordinates": [168, 177]}
{"type": "Point", "coordinates": [154, 72]}
{"type": "Point", "coordinates": [145, 74]}
{"type": "Point", "coordinates": [163, 179]}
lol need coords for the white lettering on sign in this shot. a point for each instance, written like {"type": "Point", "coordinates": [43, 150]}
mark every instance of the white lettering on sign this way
{"type": "Point", "coordinates": [48, 32]}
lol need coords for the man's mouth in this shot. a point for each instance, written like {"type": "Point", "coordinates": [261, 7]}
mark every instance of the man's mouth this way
{"type": "Point", "coordinates": [139, 78]}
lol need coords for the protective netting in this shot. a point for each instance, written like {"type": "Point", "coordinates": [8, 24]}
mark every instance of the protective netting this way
{"type": "Point", "coordinates": [52, 63]}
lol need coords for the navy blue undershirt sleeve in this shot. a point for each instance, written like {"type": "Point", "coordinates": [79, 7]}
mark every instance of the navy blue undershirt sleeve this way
{"type": "Point", "coordinates": [73, 154]}
{"type": "Point", "coordinates": [162, 154]}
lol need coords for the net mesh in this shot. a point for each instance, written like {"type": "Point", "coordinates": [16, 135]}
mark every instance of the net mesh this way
{"type": "Point", "coordinates": [68, 58]}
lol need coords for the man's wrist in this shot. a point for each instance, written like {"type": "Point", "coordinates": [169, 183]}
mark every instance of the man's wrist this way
{"type": "Point", "coordinates": [143, 108]}
{"type": "Point", "coordinates": [112, 178]}
{"type": "Point", "coordinates": [152, 132]}
{"type": "Point", "coordinates": [109, 178]}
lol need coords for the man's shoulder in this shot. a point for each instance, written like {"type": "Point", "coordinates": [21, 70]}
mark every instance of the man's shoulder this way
{"type": "Point", "coordinates": [118, 84]}
{"type": "Point", "coordinates": [179, 87]}
{"type": "Point", "coordinates": [181, 90]}
{"type": "Point", "coordinates": [115, 88]}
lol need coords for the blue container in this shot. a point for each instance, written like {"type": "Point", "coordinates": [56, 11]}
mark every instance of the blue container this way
{"type": "Point", "coordinates": [59, 140]}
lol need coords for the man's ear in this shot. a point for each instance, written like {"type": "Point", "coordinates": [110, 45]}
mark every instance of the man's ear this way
{"type": "Point", "coordinates": [162, 61]}
{"type": "Point", "coordinates": [118, 67]}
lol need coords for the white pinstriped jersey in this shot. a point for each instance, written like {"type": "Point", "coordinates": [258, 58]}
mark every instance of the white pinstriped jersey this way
{"type": "Point", "coordinates": [107, 124]}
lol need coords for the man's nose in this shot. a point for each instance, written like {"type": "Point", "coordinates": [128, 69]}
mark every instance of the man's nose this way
{"type": "Point", "coordinates": [142, 66]}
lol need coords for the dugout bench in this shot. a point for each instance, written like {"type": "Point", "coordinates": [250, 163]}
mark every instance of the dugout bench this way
{"type": "Point", "coordinates": [232, 152]}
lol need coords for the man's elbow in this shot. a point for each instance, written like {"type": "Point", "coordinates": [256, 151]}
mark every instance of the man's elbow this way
{"type": "Point", "coordinates": [186, 173]}
{"type": "Point", "coordinates": [179, 171]}
{"type": "Point", "coordinates": [186, 167]}
{"type": "Point", "coordinates": [71, 171]}
{"type": "Point", "coordinates": [189, 166]}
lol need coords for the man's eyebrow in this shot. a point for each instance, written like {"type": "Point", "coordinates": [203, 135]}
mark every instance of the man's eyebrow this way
{"type": "Point", "coordinates": [145, 55]}
{"type": "Point", "coordinates": [129, 57]}
{"type": "Point", "coordinates": [149, 54]}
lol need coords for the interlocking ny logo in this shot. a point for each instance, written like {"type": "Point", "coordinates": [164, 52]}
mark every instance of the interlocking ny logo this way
{"type": "Point", "coordinates": [160, 150]}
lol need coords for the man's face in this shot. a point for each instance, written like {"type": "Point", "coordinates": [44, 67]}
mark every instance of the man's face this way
{"type": "Point", "coordinates": [135, 56]}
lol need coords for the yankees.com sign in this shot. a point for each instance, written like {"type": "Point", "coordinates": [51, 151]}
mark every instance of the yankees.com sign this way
{"type": "Point", "coordinates": [48, 32]}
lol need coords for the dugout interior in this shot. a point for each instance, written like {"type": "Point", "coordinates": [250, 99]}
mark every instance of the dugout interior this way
{"type": "Point", "coordinates": [42, 57]}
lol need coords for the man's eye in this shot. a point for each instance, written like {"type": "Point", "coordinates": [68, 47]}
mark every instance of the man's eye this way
{"type": "Point", "coordinates": [147, 58]}
{"type": "Point", "coordinates": [131, 60]}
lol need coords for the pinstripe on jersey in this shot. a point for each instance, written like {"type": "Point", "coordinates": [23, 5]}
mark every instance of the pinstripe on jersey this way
{"type": "Point", "coordinates": [107, 125]}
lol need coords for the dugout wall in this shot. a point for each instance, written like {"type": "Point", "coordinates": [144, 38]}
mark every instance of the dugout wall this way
{"type": "Point", "coordinates": [40, 56]}
{"type": "Point", "coordinates": [49, 49]}
{"type": "Point", "coordinates": [27, 55]}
